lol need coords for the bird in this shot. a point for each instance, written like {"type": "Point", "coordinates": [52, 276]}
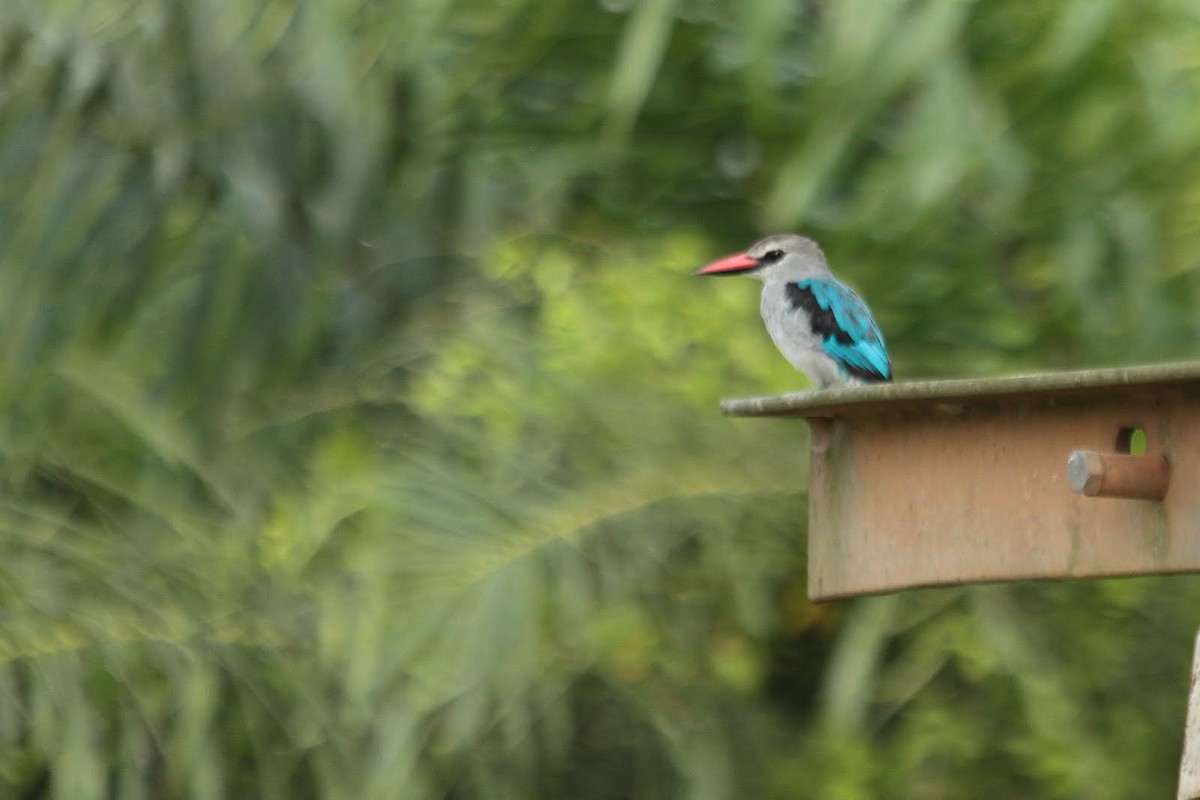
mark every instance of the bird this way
{"type": "Point", "coordinates": [820, 325]}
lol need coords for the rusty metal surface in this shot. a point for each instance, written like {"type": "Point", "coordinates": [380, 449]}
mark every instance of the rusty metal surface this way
{"type": "Point", "coordinates": [948, 482]}
{"type": "Point", "coordinates": [1189, 763]}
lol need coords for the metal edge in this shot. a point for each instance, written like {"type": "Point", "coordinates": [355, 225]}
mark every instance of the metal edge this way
{"type": "Point", "coordinates": [856, 400]}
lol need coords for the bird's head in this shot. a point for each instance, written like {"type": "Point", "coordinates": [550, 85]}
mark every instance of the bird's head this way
{"type": "Point", "coordinates": [782, 257]}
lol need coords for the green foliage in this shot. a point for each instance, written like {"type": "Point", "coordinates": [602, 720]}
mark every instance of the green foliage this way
{"type": "Point", "coordinates": [359, 431]}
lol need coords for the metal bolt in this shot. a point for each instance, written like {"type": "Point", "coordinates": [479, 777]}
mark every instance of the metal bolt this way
{"type": "Point", "coordinates": [1118, 475]}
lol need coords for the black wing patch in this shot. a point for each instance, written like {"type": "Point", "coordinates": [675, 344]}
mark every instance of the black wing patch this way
{"type": "Point", "coordinates": [822, 320]}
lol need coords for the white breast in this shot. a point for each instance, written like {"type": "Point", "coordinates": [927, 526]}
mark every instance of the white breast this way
{"type": "Point", "coordinates": [792, 334]}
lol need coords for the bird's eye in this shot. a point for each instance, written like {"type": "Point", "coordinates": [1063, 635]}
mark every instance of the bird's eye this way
{"type": "Point", "coordinates": [772, 255]}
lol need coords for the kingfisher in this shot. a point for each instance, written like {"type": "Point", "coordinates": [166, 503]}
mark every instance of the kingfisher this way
{"type": "Point", "coordinates": [820, 325]}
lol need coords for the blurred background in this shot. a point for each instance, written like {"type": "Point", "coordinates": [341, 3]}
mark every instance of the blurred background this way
{"type": "Point", "coordinates": [359, 431]}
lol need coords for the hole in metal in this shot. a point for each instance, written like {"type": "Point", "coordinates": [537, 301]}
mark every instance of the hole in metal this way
{"type": "Point", "coordinates": [1132, 440]}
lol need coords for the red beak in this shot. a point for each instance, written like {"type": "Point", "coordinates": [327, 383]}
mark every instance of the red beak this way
{"type": "Point", "coordinates": [730, 265]}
